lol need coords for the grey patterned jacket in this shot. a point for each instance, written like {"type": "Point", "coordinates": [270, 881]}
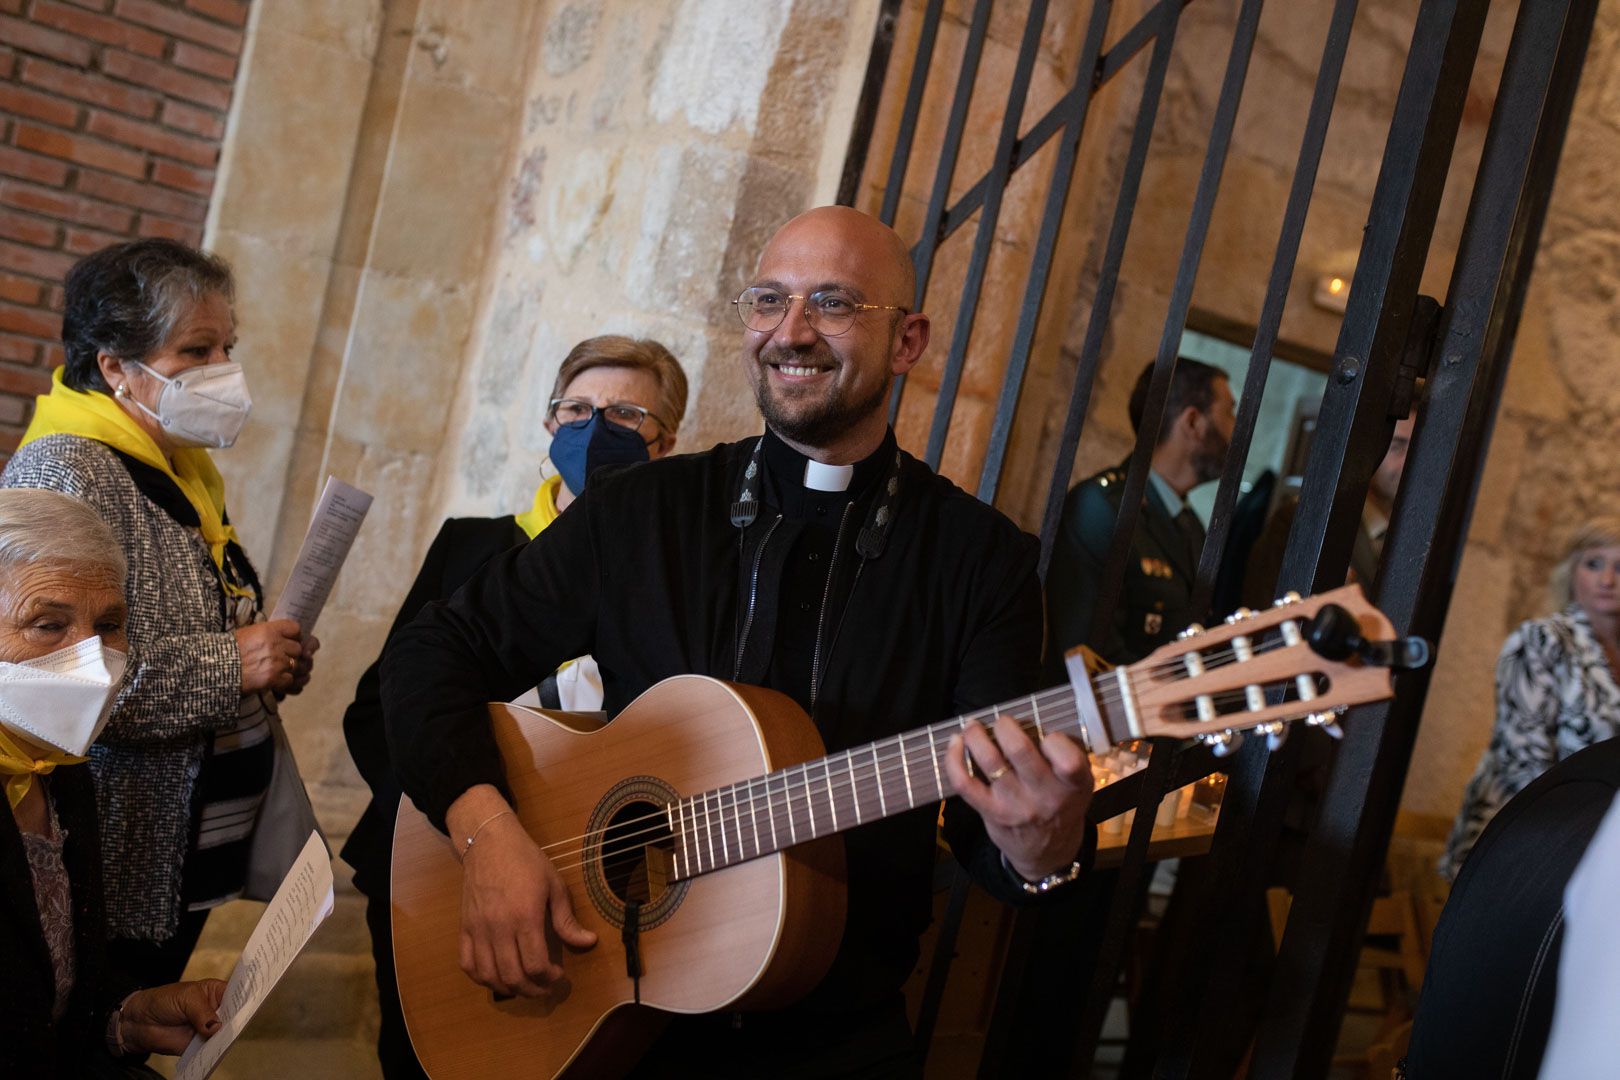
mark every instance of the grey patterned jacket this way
{"type": "Point", "coordinates": [1555, 696]}
{"type": "Point", "coordinates": [185, 681]}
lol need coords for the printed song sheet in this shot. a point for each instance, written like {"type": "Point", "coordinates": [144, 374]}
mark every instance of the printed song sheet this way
{"type": "Point", "coordinates": [331, 533]}
{"type": "Point", "coordinates": [301, 904]}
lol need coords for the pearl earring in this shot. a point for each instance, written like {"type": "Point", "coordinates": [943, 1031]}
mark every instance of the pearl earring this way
{"type": "Point", "coordinates": [121, 392]}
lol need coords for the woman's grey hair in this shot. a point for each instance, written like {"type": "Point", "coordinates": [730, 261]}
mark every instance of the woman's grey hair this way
{"type": "Point", "coordinates": [1602, 531]}
{"type": "Point", "coordinates": [48, 527]}
{"type": "Point", "coordinates": [126, 301]}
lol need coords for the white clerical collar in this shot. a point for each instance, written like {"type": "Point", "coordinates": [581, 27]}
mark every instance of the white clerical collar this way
{"type": "Point", "coordinates": [819, 477]}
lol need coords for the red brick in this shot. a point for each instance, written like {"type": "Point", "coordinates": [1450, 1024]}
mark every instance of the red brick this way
{"type": "Point", "coordinates": [30, 321]}
{"type": "Point", "coordinates": [234, 12]}
{"type": "Point", "coordinates": [20, 101]}
{"type": "Point", "coordinates": [101, 28]}
{"type": "Point", "coordinates": [20, 290]}
{"type": "Point", "coordinates": [57, 299]}
{"type": "Point", "coordinates": [28, 37]}
{"type": "Point", "coordinates": [204, 122]}
{"type": "Point", "coordinates": [26, 229]}
{"type": "Point", "coordinates": [152, 225]}
{"type": "Point", "coordinates": [9, 441]}
{"type": "Point", "coordinates": [54, 356]}
{"type": "Point", "coordinates": [50, 265]}
{"type": "Point", "coordinates": [153, 138]}
{"type": "Point", "coordinates": [65, 207]}
{"type": "Point", "coordinates": [81, 149]}
{"type": "Point", "coordinates": [196, 181]}
{"type": "Point", "coordinates": [29, 167]}
{"type": "Point", "coordinates": [8, 62]}
{"type": "Point", "coordinates": [160, 76]}
{"type": "Point", "coordinates": [92, 5]}
{"type": "Point", "coordinates": [84, 241]}
{"type": "Point", "coordinates": [203, 61]}
{"type": "Point", "coordinates": [178, 23]}
{"type": "Point", "coordinates": [84, 86]}
{"type": "Point", "coordinates": [18, 350]}
{"type": "Point", "coordinates": [142, 196]}
{"type": "Point", "coordinates": [13, 410]}
{"type": "Point", "coordinates": [13, 6]}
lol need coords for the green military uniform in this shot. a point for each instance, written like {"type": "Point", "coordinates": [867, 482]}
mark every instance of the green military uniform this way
{"type": "Point", "coordinates": [1155, 602]}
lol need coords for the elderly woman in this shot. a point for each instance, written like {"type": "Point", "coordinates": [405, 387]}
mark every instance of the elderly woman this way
{"type": "Point", "coordinates": [616, 400]}
{"type": "Point", "coordinates": [1556, 691]}
{"type": "Point", "coordinates": [186, 759]}
{"type": "Point", "coordinates": [61, 637]}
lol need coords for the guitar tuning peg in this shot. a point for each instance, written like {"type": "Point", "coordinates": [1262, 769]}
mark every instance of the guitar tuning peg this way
{"type": "Point", "coordinates": [1192, 630]}
{"type": "Point", "coordinates": [1238, 616]}
{"type": "Point", "coordinates": [1286, 599]}
{"type": "Point", "coordinates": [1222, 743]}
{"type": "Point", "coordinates": [1327, 722]}
{"type": "Point", "coordinates": [1275, 732]}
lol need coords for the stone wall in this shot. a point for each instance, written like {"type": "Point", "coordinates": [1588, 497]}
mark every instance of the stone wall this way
{"type": "Point", "coordinates": [111, 116]}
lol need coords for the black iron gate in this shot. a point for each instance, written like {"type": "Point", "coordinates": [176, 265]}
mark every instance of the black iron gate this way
{"type": "Point", "coordinates": [1390, 339]}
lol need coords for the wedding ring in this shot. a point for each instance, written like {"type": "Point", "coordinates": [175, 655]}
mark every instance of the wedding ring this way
{"type": "Point", "coordinates": [997, 775]}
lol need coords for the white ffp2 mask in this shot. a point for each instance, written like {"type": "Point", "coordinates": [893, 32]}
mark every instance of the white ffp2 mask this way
{"type": "Point", "coordinates": [202, 406]}
{"type": "Point", "coordinates": [62, 700]}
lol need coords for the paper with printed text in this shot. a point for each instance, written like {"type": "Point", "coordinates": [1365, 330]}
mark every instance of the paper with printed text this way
{"type": "Point", "coordinates": [331, 534]}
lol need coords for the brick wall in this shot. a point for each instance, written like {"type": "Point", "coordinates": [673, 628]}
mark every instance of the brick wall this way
{"type": "Point", "coordinates": [111, 115]}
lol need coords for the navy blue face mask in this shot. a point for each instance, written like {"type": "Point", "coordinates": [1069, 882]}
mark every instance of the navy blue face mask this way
{"type": "Point", "coordinates": [579, 451]}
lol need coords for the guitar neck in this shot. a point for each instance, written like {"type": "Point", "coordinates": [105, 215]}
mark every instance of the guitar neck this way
{"type": "Point", "coordinates": [718, 828]}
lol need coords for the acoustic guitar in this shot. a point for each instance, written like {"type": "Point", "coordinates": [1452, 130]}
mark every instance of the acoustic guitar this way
{"type": "Point", "coordinates": [697, 833]}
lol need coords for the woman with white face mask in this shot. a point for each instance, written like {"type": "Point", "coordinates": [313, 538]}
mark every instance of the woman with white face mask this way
{"type": "Point", "coordinates": [148, 387]}
{"type": "Point", "coordinates": [62, 642]}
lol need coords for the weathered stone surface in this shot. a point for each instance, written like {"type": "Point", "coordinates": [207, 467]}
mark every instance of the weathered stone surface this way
{"type": "Point", "coordinates": [713, 69]}
{"type": "Point", "coordinates": [570, 37]}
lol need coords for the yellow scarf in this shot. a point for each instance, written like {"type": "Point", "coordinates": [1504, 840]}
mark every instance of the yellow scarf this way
{"type": "Point", "coordinates": [544, 511]}
{"type": "Point", "coordinates": [19, 765]}
{"type": "Point", "coordinates": [65, 411]}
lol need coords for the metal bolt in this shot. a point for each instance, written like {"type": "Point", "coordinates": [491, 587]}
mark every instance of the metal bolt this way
{"type": "Point", "coordinates": [1349, 371]}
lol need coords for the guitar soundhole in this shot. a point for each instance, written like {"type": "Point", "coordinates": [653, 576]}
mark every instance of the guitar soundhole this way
{"type": "Point", "coordinates": [630, 854]}
{"type": "Point", "coordinates": [635, 853]}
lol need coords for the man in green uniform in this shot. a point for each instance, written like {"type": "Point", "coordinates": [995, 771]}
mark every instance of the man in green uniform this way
{"type": "Point", "coordinates": [1156, 598]}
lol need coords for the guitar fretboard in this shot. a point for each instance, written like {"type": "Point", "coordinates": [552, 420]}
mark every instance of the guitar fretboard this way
{"type": "Point", "coordinates": [718, 828]}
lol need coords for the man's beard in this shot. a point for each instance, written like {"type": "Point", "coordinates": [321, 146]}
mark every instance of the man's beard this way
{"type": "Point", "coordinates": [1210, 459]}
{"type": "Point", "coordinates": [814, 423]}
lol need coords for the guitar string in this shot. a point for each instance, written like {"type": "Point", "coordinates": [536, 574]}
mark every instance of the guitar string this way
{"type": "Point", "coordinates": [843, 786]}
{"type": "Point", "coordinates": [1057, 699]}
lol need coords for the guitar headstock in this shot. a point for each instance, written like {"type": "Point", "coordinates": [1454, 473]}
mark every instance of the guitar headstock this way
{"type": "Point", "coordinates": [1256, 671]}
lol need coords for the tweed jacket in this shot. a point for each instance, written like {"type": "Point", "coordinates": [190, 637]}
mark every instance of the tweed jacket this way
{"type": "Point", "coordinates": [184, 682]}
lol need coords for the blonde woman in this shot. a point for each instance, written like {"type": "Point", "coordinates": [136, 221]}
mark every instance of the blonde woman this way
{"type": "Point", "coordinates": [1556, 690]}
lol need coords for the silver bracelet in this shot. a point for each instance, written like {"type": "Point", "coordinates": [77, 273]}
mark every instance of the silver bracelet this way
{"type": "Point", "coordinates": [468, 843]}
{"type": "Point", "coordinates": [1047, 883]}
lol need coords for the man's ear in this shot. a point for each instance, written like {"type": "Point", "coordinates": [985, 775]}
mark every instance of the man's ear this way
{"type": "Point", "coordinates": [911, 338]}
{"type": "Point", "coordinates": [1192, 423]}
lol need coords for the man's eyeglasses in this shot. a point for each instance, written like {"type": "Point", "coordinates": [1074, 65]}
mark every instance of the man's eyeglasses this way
{"type": "Point", "coordinates": [830, 312]}
{"type": "Point", "coordinates": [571, 412]}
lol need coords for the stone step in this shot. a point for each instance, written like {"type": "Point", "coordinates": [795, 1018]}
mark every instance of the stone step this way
{"type": "Point", "coordinates": [304, 1058]}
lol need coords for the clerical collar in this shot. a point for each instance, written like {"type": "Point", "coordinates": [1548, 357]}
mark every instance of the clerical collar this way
{"type": "Point", "coordinates": [793, 486]}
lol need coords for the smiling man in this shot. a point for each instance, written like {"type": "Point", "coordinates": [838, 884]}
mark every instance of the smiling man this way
{"type": "Point", "coordinates": [816, 559]}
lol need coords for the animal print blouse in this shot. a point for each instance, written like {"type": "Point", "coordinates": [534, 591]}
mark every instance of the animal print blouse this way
{"type": "Point", "coordinates": [1555, 695]}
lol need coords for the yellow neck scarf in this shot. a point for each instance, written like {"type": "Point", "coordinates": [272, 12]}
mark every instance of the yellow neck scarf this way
{"type": "Point", "coordinates": [544, 511]}
{"type": "Point", "coordinates": [19, 766]}
{"type": "Point", "coordinates": [65, 411]}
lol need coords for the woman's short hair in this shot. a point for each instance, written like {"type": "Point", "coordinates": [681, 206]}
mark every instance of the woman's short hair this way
{"type": "Point", "coordinates": [614, 350]}
{"type": "Point", "coordinates": [1602, 531]}
{"type": "Point", "coordinates": [41, 526]}
{"type": "Point", "coordinates": [126, 301]}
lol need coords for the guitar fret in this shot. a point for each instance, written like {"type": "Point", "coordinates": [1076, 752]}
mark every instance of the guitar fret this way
{"type": "Point", "coordinates": [877, 774]}
{"type": "Point", "coordinates": [753, 817]}
{"type": "Point", "coordinates": [725, 848]}
{"type": "Point", "coordinates": [854, 790]}
{"type": "Point", "coordinates": [933, 755]}
{"type": "Point", "coordinates": [686, 855]}
{"type": "Point", "coordinates": [787, 795]}
{"type": "Point", "coordinates": [1036, 705]}
{"type": "Point", "coordinates": [708, 830]}
{"type": "Point", "coordinates": [905, 770]}
{"type": "Point", "coordinates": [832, 800]}
{"type": "Point", "coordinates": [770, 812]}
{"type": "Point", "coordinates": [669, 818]}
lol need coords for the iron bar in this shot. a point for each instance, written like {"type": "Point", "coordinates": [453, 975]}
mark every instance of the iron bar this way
{"type": "Point", "coordinates": [1485, 297]}
{"type": "Point", "coordinates": [928, 245]}
{"type": "Point", "coordinates": [921, 65]}
{"type": "Point", "coordinates": [1107, 281]}
{"type": "Point", "coordinates": [1264, 345]}
{"type": "Point", "coordinates": [984, 240]}
{"type": "Point", "coordinates": [1040, 265]}
{"type": "Point", "coordinates": [866, 108]}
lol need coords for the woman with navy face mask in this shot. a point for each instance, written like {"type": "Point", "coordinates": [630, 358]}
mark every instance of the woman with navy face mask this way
{"type": "Point", "coordinates": [616, 401]}
{"type": "Point", "coordinates": [148, 389]}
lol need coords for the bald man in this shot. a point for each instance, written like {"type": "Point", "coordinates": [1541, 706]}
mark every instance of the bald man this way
{"type": "Point", "coordinates": [816, 559]}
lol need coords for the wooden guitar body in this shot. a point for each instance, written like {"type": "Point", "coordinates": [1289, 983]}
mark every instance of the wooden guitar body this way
{"type": "Point", "coordinates": [758, 934]}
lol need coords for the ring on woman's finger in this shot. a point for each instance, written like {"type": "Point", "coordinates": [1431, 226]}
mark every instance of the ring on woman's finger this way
{"type": "Point", "coordinates": [998, 774]}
